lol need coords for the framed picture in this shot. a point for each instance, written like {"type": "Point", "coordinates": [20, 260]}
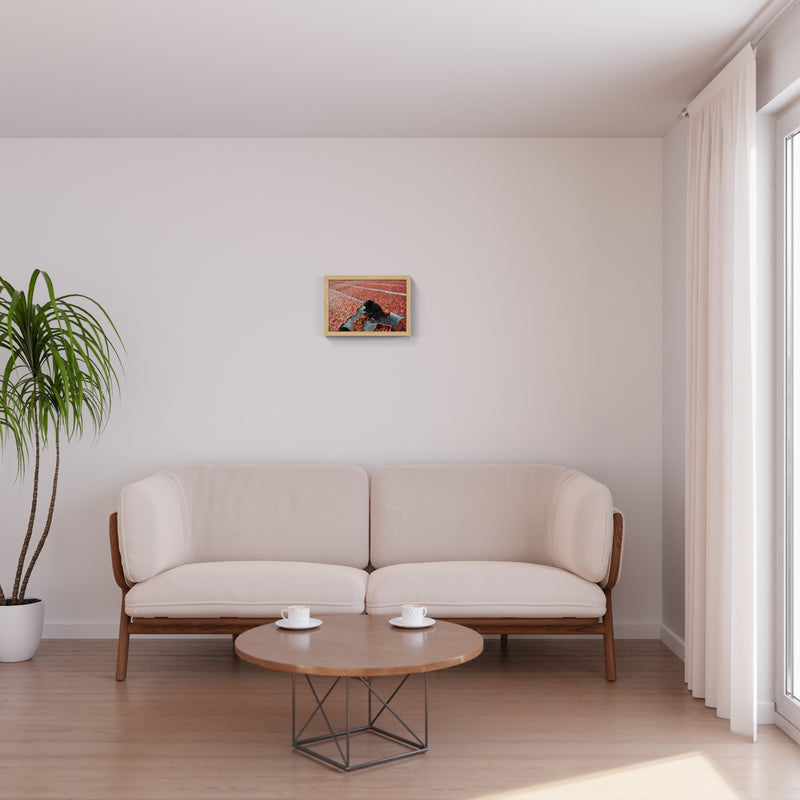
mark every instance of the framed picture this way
{"type": "Point", "coordinates": [367, 305]}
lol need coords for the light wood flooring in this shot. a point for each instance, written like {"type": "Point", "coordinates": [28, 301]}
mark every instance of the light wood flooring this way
{"type": "Point", "coordinates": [538, 722]}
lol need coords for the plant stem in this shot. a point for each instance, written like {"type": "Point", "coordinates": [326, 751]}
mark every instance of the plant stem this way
{"type": "Point", "coordinates": [15, 598]}
{"type": "Point", "coordinates": [49, 519]}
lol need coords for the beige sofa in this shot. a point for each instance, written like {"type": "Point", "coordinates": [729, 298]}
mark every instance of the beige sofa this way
{"type": "Point", "coordinates": [501, 549]}
{"type": "Point", "coordinates": [221, 549]}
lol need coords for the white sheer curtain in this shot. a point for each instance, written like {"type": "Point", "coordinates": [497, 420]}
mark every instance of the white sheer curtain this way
{"type": "Point", "coordinates": [720, 474]}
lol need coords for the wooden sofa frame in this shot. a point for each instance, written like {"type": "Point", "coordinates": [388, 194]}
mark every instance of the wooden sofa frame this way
{"type": "Point", "coordinates": [502, 626]}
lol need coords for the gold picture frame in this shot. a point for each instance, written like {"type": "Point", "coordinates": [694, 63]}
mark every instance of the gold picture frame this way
{"type": "Point", "coordinates": [367, 305]}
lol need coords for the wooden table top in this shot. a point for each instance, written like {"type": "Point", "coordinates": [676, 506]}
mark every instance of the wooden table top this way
{"type": "Point", "coordinates": [359, 644]}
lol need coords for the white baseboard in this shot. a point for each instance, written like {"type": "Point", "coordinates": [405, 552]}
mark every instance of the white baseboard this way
{"type": "Point", "coordinates": [673, 641]}
{"type": "Point", "coordinates": [790, 730]}
{"type": "Point", "coordinates": [765, 710]}
{"type": "Point", "coordinates": [80, 630]}
{"type": "Point", "coordinates": [636, 630]}
{"type": "Point", "coordinates": [110, 630]}
{"type": "Point", "coordinates": [107, 630]}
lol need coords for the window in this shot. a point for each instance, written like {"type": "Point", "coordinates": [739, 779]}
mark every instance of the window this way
{"type": "Point", "coordinates": [788, 678]}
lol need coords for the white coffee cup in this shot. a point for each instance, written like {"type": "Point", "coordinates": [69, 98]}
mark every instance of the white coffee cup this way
{"type": "Point", "coordinates": [297, 616]}
{"type": "Point", "coordinates": [413, 614]}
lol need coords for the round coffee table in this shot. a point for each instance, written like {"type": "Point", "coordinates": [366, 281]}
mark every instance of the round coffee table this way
{"type": "Point", "coordinates": [358, 647]}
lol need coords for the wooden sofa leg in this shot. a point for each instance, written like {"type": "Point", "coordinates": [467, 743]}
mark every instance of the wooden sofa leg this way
{"type": "Point", "coordinates": [504, 641]}
{"type": "Point", "coordinates": [608, 642]}
{"type": "Point", "coordinates": [611, 668]}
{"type": "Point", "coordinates": [122, 645]}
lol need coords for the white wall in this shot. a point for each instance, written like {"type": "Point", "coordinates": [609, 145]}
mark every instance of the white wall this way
{"type": "Point", "coordinates": [767, 452]}
{"type": "Point", "coordinates": [778, 63]}
{"type": "Point", "coordinates": [536, 269]}
{"type": "Point", "coordinates": [674, 361]}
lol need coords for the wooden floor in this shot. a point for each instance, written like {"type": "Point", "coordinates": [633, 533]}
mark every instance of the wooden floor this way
{"type": "Point", "coordinates": [538, 722]}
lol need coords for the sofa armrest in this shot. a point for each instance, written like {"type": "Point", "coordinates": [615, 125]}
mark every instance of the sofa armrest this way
{"type": "Point", "coordinates": [154, 528]}
{"type": "Point", "coordinates": [582, 527]}
{"type": "Point", "coordinates": [615, 563]}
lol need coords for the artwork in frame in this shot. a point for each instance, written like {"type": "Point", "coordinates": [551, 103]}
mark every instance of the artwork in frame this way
{"type": "Point", "coordinates": [367, 305]}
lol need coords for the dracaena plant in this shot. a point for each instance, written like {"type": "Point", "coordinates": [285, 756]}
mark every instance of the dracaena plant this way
{"type": "Point", "coordinates": [58, 379]}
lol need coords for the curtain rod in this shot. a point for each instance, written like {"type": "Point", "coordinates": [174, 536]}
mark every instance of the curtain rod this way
{"type": "Point", "coordinates": [754, 39]}
{"type": "Point", "coordinates": [768, 26]}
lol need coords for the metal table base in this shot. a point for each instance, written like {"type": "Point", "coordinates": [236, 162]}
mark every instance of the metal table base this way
{"type": "Point", "coordinates": [413, 744]}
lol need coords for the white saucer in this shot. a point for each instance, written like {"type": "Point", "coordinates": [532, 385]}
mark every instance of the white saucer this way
{"type": "Point", "coordinates": [312, 623]}
{"type": "Point", "coordinates": [398, 623]}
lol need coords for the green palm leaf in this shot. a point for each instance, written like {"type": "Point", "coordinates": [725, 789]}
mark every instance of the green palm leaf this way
{"type": "Point", "coordinates": [60, 375]}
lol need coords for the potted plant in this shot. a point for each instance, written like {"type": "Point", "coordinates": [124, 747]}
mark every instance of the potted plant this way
{"type": "Point", "coordinates": [59, 377]}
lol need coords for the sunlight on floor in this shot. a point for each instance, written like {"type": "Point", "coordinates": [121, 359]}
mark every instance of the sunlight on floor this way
{"type": "Point", "coordinates": [688, 777]}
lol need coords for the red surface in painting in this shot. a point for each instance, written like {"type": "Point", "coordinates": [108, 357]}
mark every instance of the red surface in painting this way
{"type": "Point", "coordinates": [346, 296]}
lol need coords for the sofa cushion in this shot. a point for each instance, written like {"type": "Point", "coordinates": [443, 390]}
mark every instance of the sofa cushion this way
{"type": "Point", "coordinates": [484, 589]}
{"type": "Point", "coordinates": [535, 513]}
{"type": "Point", "coordinates": [248, 589]}
{"type": "Point", "coordinates": [153, 526]}
{"type": "Point", "coordinates": [245, 512]}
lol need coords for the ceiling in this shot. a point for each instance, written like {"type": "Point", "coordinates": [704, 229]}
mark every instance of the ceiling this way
{"type": "Point", "coordinates": [373, 68]}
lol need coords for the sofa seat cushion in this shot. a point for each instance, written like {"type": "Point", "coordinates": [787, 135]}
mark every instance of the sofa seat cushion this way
{"type": "Point", "coordinates": [484, 589]}
{"type": "Point", "coordinates": [248, 589]}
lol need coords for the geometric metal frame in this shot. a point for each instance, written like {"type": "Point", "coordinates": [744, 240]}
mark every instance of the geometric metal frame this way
{"type": "Point", "coordinates": [412, 746]}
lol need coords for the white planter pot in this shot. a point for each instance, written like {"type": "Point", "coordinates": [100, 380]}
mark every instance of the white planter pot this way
{"type": "Point", "coordinates": [21, 630]}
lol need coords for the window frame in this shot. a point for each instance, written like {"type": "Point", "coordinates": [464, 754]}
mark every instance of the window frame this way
{"type": "Point", "coordinates": [787, 706]}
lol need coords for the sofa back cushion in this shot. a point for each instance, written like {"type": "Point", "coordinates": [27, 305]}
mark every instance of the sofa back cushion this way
{"type": "Point", "coordinates": [244, 513]}
{"type": "Point", "coordinates": [532, 513]}
{"type": "Point", "coordinates": [153, 526]}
